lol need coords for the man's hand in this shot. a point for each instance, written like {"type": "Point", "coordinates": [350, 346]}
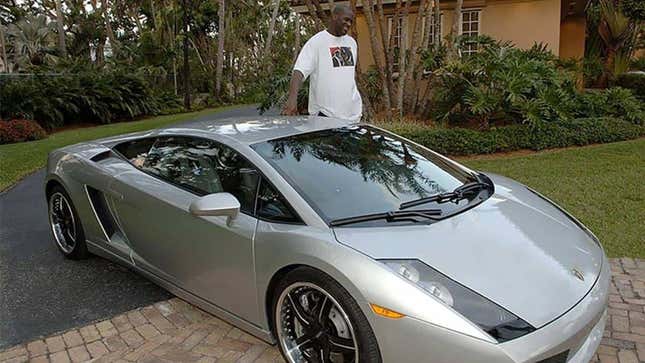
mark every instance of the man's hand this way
{"type": "Point", "coordinates": [291, 107]}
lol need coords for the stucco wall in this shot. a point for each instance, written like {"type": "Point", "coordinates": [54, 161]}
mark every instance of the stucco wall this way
{"type": "Point", "coordinates": [572, 37]}
{"type": "Point", "coordinates": [522, 22]}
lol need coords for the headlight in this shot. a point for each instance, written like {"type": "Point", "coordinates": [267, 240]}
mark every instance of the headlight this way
{"type": "Point", "coordinates": [490, 317]}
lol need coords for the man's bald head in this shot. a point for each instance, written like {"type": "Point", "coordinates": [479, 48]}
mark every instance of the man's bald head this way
{"type": "Point", "coordinates": [342, 18]}
{"type": "Point", "coordinates": [341, 9]}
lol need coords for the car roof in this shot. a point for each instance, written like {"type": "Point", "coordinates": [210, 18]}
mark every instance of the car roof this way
{"type": "Point", "coordinates": [250, 130]}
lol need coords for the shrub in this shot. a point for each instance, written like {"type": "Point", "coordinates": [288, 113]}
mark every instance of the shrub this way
{"type": "Point", "coordinates": [539, 136]}
{"type": "Point", "coordinates": [614, 102]}
{"type": "Point", "coordinates": [634, 81]}
{"type": "Point", "coordinates": [20, 130]}
{"type": "Point", "coordinates": [502, 83]}
{"type": "Point", "coordinates": [54, 101]}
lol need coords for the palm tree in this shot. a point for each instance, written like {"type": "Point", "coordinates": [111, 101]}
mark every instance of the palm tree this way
{"type": "Point", "coordinates": [616, 30]}
{"type": "Point", "coordinates": [61, 29]}
{"type": "Point", "coordinates": [31, 38]}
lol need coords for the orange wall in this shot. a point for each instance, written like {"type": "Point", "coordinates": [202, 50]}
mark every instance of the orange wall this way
{"type": "Point", "coordinates": [522, 22]}
{"type": "Point", "coordinates": [572, 37]}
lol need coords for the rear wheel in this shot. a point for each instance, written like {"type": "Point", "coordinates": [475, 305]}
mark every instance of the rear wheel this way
{"type": "Point", "coordinates": [65, 225]}
{"type": "Point", "coordinates": [316, 320]}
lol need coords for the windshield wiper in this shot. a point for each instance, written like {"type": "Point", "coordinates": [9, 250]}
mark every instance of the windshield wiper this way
{"type": "Point", "coordinates": [393, 216]}
{"type": "Point", "coordinates": [459, 193]}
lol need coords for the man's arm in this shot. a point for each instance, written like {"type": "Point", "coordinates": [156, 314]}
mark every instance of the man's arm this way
{"type": "Point", "coordinates": [291, 107]}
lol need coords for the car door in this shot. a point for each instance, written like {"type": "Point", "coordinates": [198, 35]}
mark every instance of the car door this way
{"type": "Point", "coordinates": [206, 256]}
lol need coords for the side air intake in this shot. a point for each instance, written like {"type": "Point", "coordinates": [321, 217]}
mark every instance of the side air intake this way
{"type": "Point", "coordinates": [105, 218]}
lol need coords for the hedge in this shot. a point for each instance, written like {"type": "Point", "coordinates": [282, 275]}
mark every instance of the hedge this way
{"type": "Point", "coordinates": [544, 135]}
{"type": "Point", "coordinates": [634, 81]}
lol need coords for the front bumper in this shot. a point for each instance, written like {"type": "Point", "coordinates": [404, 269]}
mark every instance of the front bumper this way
{"type": "Point", "coordinates": [578, 332]}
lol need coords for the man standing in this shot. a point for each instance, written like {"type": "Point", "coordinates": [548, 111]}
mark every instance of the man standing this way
{"type": "Point", "coordinates": [329, 58]}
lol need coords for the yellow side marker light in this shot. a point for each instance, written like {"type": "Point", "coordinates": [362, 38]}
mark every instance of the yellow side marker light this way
{"type": "Point", "coordinates": [385, 312]}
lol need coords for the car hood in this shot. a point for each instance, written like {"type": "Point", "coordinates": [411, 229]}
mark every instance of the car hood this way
{"type": "Point", "coordinates": [515, 248]}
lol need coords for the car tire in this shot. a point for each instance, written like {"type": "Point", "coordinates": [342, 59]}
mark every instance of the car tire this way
{"type": "Point", "coordinates": [343, 319]}
{"type": "Point", "coordinates": [65, 225]}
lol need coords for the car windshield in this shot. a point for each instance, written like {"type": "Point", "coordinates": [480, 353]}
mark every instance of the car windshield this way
{"type": "Point", "coordinates": [359, 170]}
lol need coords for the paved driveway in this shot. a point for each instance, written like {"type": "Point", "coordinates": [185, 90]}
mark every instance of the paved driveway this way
{"type": "Point", "coordinates": [174, 331]}
{"type": "Point", "coordinates": [41, 292]}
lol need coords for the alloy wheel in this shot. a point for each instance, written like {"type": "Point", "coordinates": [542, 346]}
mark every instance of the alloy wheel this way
{"type": "Point", "coordinates": [61, 220]}
{"type": "Point", "coordinates": [313, 327]}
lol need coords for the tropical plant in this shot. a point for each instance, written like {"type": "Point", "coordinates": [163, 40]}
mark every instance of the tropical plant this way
{"type": "Point", "coordinates": [31, 41]}
{"type": "Point", "coordinates": [612, 36]}
{"type": "Point", "coordinates": [502, 84]}
{"type": "Point", "coordinates": [105, 97]}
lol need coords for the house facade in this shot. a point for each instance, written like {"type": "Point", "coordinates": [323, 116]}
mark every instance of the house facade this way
{"type": "Point", "coordinates": [559, 24]}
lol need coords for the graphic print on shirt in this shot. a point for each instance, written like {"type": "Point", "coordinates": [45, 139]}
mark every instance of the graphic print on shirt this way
{"type": "Point", "coordinates": [342, 56]}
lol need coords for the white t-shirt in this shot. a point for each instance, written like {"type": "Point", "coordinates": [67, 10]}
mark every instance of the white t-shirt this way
{"type": "Point", "coordinates": [330, 61]}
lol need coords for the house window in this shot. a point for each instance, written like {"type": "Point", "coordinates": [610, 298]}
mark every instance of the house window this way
{"type": "Point", "coordinates": [470, 28]}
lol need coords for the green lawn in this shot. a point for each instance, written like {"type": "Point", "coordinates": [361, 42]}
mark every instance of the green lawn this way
{"type": "Point", "coordinates": [21, 159]}
{"type": "Point", "coordinates": [602, 185]}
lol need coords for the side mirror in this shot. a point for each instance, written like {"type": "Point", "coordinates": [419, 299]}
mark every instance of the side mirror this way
{"type": "Point", "coordinates": [218, 204]}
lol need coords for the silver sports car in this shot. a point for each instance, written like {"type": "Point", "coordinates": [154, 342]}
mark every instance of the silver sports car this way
{"type": "Point", "coordinates": [338, 241]}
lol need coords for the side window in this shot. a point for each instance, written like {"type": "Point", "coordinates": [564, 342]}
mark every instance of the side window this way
{"type": "Point", "coordinates": [272, 206]}
{"type": "Point", "coordinates": [135, 151]}
{"type": "Point", "coordinates": [204, 167]}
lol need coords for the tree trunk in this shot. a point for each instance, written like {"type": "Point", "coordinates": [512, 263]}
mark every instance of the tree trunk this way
{"type": "Point", "coordinates": [427, 40]}
{"type": "Point", "coordinates": [368, 7]}
{"type": "Point", "coordinates": [456, 25]}
{"type": "Point", "coordinates": [221, 13]}
{"type": "Point", "coordinates": [3, 50]}
{"type": "Point", "coordinates": [437, 24]}
{"type": "Point", "coordinates": [61, 29]}
{"type": "Point", "coordinates": [100, 47]}
{"type": "Point", "coordinates": [418, 44]}
{"type": "Point", "coordinates": [296, 49]}
{"type": "Point", "coordinates": [267, 47]}
{"type": "Point", "coordinates": [108, 27]}
{"type": "Point", "coordinates": [387, 46]}
{"type": "Point", "coordinates": [410, 91]}
{"type": "Point", "coordinates": [153, 10]}
{"type": "Point", "coordinates": [402, 54]}
{"type": "Point", "coordinates": [186, 64]}
{"type": "Point", "coordinates": [368, 109]}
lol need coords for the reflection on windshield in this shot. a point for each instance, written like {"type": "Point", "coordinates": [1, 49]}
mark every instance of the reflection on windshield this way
{"type": "Point", "coordinates": [358, 170]}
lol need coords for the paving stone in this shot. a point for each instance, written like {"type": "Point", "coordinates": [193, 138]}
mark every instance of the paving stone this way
{"type": "Point", "coordinates": [97, 349]}
{"type": "Point", "coordinates": [72, 339]}
{"type": "Point", "coordinates": [114, 343]}
{"type": "Point", "coordinates": [39, 359]}
{"type": "Point", "coordinates": [37, 348]}
{"type": "Point", "coordinates": [627, 356]}
{"type": "Point", "coordinates": [89, 333]}
{"type": "Point", "coordinates": [78, 354]}
{"type": "Point", "coordinates": [132, 338]}
{"type": "Point", "coordinates": [147, 331]}
{"type": "Point", "coordinates": [19, 359]}
{"type": "Point", "coordinates": [121, 323]}
{"type": "Point", "coordinates": [136, 318]}
{"type": "Point", "coordinates": [59, 357]}
{"type": "Point", "coordinates": [55, 344]}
